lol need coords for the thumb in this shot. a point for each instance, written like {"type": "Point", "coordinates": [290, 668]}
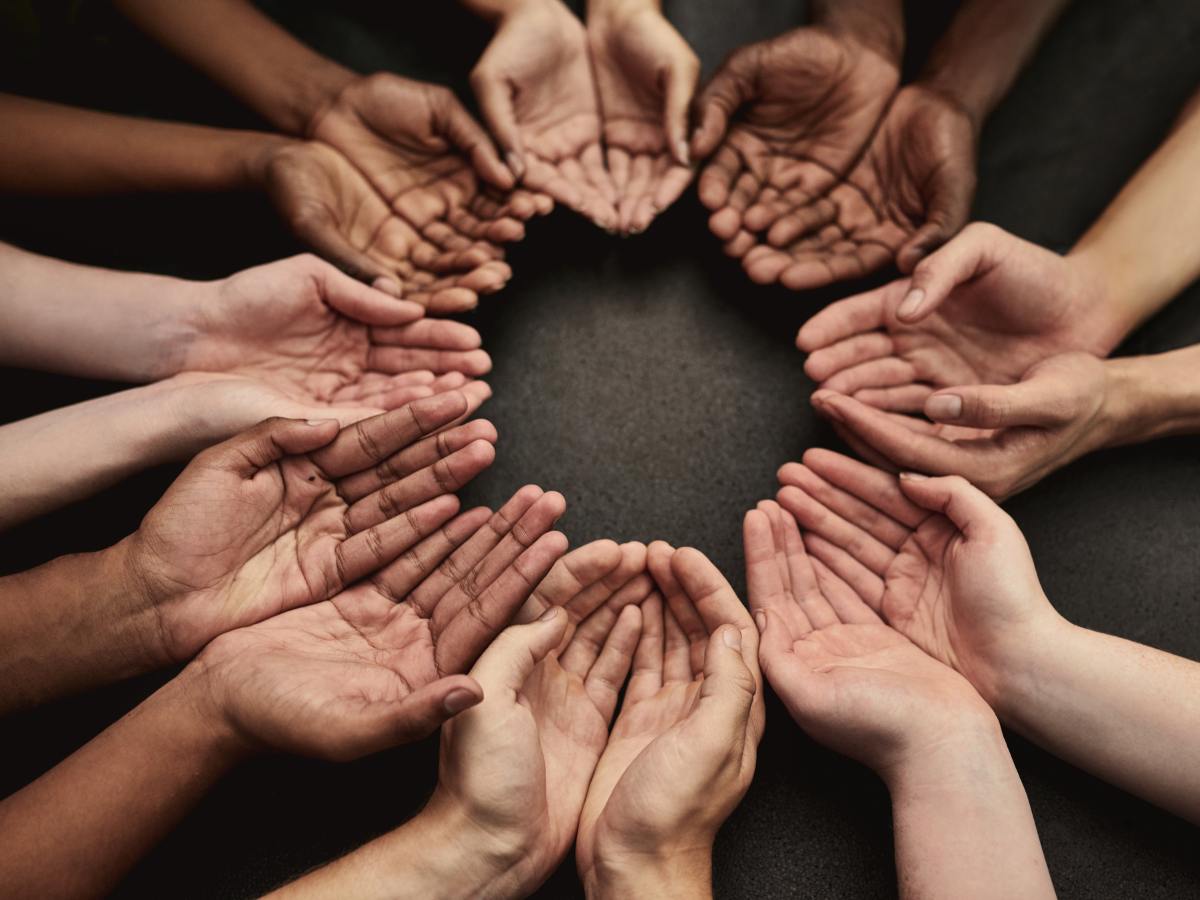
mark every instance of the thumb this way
{"type": "Point", "coordinates": [729, 88]}
{"type": "Point", "coordinates": [728, 690]}
{"type": "Point", "coordinates": [679, 88]}
{"type": "Point", "coordinates": [268, 442]}
{"type": "Point", "coordinates": [495, 96]}
{"type": "Point", "coordinates": [513, 655]}
{"type": "Point", "coordinates": [947, 209]}
{"type": "Point", "coordinates": [934, 278]}
{"type": "Point", "coordinates": [466, 134]}
{"type": "Point", "coordinates": [424, 710]}
{"type": "Point", "coordinates": [1036, 402]}
{"type": "Point", "coordinates": [972, 511]}
{"type": "Point", "coordinates": [367, 304]}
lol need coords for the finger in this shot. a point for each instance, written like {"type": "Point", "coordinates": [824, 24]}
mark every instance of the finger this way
{"type": "Point", "coordinates": [586, 643]}
{"type": "Point", "coordinates": [320, 231]}
{"type": "Point", "coordinates": [880, 525]}
{"type": "Point", "coordinates": [670, 187]}
{"type": "Point", "coordinates": [800, 571]}
{"type": "Point", "coordinates": [851, 351]}
{"type": "Point", "coordinates": [511, 658]}
{"type": "Point", "coordinates": [765, 576]}
{"type": "Point", "coordinates": [972, 511]}
{"type": "Point", "coordinates": [843, 319]}
{"type": "Point", "coordinates": [417, 715]}
{"type": "Point", "coordinates": [421, 455]}
{"type": "Point", "coordinates": [677, 651]}
{"type": "Point", "coordinates": [646, 678]}
{"type": "Point", "coordinates": [1035, 403]}
{"type": "Point", "coordinates": [605, 678]}
{"type": "Point", "coordinates": [627, 578]}
{"type": "Point", "coordinates": [473, 627]}
{"type": "Point", "coordinates": [445, 476]}
{"type": "Point", "coordinates": [465, 134]}
{"type": "Point", "coordinates": [947, 210]}
{"type": "Point", "coordinates": [365, 304]}
{"type": "Point", "coordinates": [935, 277]}
{"type": "Point", "coordinates": [716, 181]}
{"type": "Point", "coordinates": [268, 442]}
{"type": "Point", "coordinates": [868, 484]}
{"type": "Point", "coordinates": [728, 692]}
{"type": "Point", "coordinates": [862, 580]}
{"type": "Point", "coordinates": [816, 518]}
{"type": "Point", "coordinates": [397, 579]}
{"type": "Point", "coordinates": [679, 88]}
{"type": "Point", "coordinates": [374, 548]}
{"type": "Point", "coordinates": [407, 359]}
{"type": "Point", "coordinates": [495, 96]}
{"type": "Point", "coordinates": [789, 675]}
{"type": "Point", "coordinates": [728, 89]}
{"type": "Point", "coordinates": [439, 334]}
{"type": "Point", "coordinates": [849, 606]}
{"type": "Point", "coordinates": [571, 575]}
{"type": "Point", "coordinates": [907, 398]}
{"type": "Point", "coordinates": [890, 371]}
{"type": "Point", "coordinates": [711, 593]}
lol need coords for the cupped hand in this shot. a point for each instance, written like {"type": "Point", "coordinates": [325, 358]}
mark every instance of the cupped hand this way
{"type": "Point", "coordinates": [1001, 438]}
{"type": "Point", "coordinates": [787, 119]}
{"type": "Point", "coordinates": [518, 765]}
{"type": "Point", "coordinates": [646, 75]}
{"type": "Point", "coordinates": [935, 558]}
{"type": "Point", "coordinates": [851, 682]}
{"type": "Point", "coordinates": [683, 748]}
{"type": "Point", "coordinates": [292, 512]}
{"type": "Point", "coordinates": [535, 89]}
{"type": "Point", "coordinates": [314, 337]}
{"type": "Point", "coordinates": [332, 207]}
{"type": "Point", "coordinates": [981, 310]}
{"type": "Point", "coordinates": [381, 663]}
{"type": "Point", "coordinates": [909, 193]}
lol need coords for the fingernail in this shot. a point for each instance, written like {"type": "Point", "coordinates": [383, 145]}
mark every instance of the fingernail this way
{"type": "Point", "coordinates": [760, 619]}
{"type": "Point", "coordinates": [549, 615]}
{"type": "Point", "coordinates": [458, 700]}
{"type": "Point", "coordinates": [946, 406]}
{"type": "Point", "coordinates": [317, 423]}
{"type": "Point", "coordinates": [515, 163]}
{"type": "Point", "coordinates": [732, 638]}
{"type": "Point", "coordinates": [681, 152]}
{"type": "Point", "coordinates": [388, 286]}
{"type": "Point", "coordinates": [911, 303]}
{"type": "Point", "coordinates": [913, 476]}
{"type": "Point", "coordinates": [830, 409]}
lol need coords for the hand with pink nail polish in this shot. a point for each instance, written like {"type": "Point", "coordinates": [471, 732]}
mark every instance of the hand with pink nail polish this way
{"type": "Point", "coordinates": [981, 310]}
{"type": "Point", "coordinates": [537, 94]}
{"type": "Point", "coordinates": [784, 121]}
{"type": "Point", "coordinates": [684, 745]}
{"type": "Point", "coordinates": [297, 338]}
{"type": "Point", "coordinates": [646, 74]}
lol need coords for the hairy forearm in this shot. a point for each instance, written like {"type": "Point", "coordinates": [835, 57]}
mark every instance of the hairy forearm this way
{"type": "Point", "coordinates": [97, 323]}
{"type": "Point", "coordinates": [47, 148]}
{"type": "Point", "coordinates": [1143, 245]}
{"type": "Point", "coordinates": [247, 53]}
{"type": "Point", "coordinates": [963, 824]}
{"type": "Point", "coordinates": [80, 827]}
{"type": "Point", "coordinates": [985, 48]}
{"type": "Point", "coordinates": [878, 24]}
{"type": "Point", "coordinates": [1124, 712]}
{"type": "Point", "coordinates": [74, 623]}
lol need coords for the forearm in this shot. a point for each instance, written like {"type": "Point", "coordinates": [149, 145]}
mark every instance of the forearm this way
{"type": "Point", "coordinates": [247, 53]}
{"type": "Point", "coordinates": [80, 827]}
{"type": "Point", "coordinates": [1125, 712]}
{"type": "Point", "coordinates": [1149, 397]}
{"type": "Point", "coordinates": [1143, 245]}
{"type": "Point", "coordinates": [97, 323]}
{"type": "Point", "coordinates": [963, 827]}
{"type": "Point", "coordinates": [46, 148]}
{"type": "Point", "coordinates": [670, 876]}
{"type": "Point", "coordinates": [74, 623]}
{"type": "Point", "coordinates": [878, 24]}
{"type": "Point", "coordinates": [985, 48]}
{"type": "Point", "coordinates": [432, 856]}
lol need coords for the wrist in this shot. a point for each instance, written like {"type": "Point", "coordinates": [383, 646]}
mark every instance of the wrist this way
{"type": "Point", "coordinates": [970, 759]}
{"type": "Point", "coordinates": [617, 12]}
{"type": "Point", "coordinates": [1148, 397]}
{"type": "Point", "coordinates": [138, 616]}
{"type": "Point", "coordinates": [197, 713]}
{"type": "Point", "coordinates": [676, 875]}
{"type": "Point", "coordinates": [878, 25]}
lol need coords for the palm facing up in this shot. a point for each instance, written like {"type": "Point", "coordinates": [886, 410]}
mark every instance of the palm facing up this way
{"type": "Point", "coordinates": [535, 89]}
{"type": "Point", "coordinates": [376, 664]}
{"type": "Point", "coordinates": [646, 75]}
{"type": "Point", "coordinates": [799, 110]}
{"type": "Point", "coordinates": [935, 558]}
{"type": "Point", "coordinates": [290, 513]}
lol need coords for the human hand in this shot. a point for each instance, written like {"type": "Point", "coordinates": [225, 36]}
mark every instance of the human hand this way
{"type": "Point", "coordinates": [851, 682]}
{"type": "Point", "coordinates": [298, 336]}
{"type": "Point", "coordinates": [517, 766]}
{"type": "Point", "coordinates": [1001, 438]}
{"type": "Point", "coordinates": [645, 75]}
{"type": "Point", "coordinates": [380, 663]}
{"type": "Point", "coordinates": [981, 310]}
{"type": "Point", "coordinates": [693, 710]}
{"type": "Point", "coordinates": [934, 557]}
{"type": "Point", "coordinates": [787, 119]}
{"type": "Point", "coordinates": [535, 89]}
{"type": "Point", "coordinates": [291, 513]}
{"type": "Point", "coordinates": [909, 193]}
{"type": "Point", "coordinates": [331, 206]}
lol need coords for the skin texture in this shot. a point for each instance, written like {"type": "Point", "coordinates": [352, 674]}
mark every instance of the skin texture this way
{"type": "Point", "coordinates": [646, 75]}
{"type": "Point", "coordinates": [291, 513]}
{"type": "Point", "coordinates": [861, 688]}
{"type": "Point", "coordinates": [784, 121]}
{"type": "Point", "coordinates": [536, 92]}
{"type": "Point", "coordinates": [693, 707]}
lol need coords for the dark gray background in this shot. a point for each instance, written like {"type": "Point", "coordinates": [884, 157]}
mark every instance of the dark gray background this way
{"type": "Point", "coordinates": [658, 389]}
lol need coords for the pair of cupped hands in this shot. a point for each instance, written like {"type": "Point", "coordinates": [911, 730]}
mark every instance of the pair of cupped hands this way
{"type": "Point", "coordinates": [337, 601]}
{"type": "Point", "coordinates": [818, 169]}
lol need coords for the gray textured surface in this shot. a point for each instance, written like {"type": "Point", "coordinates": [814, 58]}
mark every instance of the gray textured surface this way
{"type": "Point", "coordinates": [658, 389]}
